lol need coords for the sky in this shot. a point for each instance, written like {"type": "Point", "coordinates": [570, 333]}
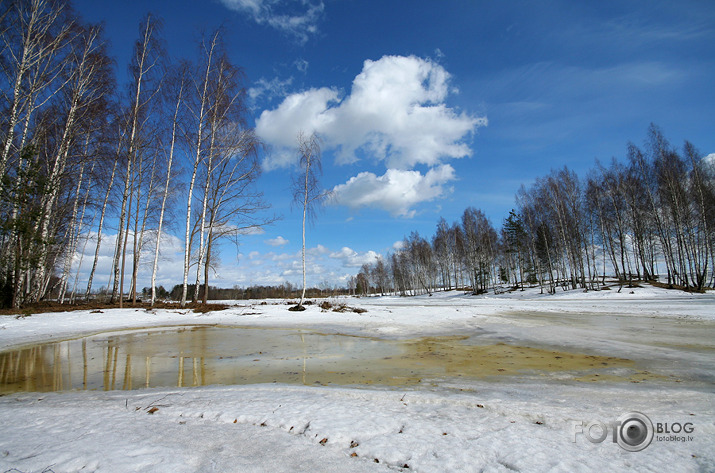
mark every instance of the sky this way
{"type": "Point", "coordinates": [426, 108]}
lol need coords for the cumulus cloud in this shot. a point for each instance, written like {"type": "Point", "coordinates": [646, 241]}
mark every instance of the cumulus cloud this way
{"type": "Point", "coordinates": [317, 251]}
{"type": "Point", "coordinates": [322, 264]}
{"type": "Point", "coordinates": [396, 191]}
{"type": "Point", "coordinates": [278, 241]}
{"type": "Point", "coordinates": [352, 259]}
{"type": "Point", "coordinates": [298, 18]}
{"type": "Point", "coordinates": [303, 111]}
{"type": "Point", "coordinates": [395, 112]}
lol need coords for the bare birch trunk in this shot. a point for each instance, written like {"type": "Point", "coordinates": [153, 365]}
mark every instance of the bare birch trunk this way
{"type": "Point", "coordinates": [100, 227]}
{"type": "Point", "coordinates": [166, 193]}
{"type": "Point", "coordinates": [123, 249]}
{"type": "Point", "coordinates": [197, 160]}
{"type": "Point", "coordinates": [207, 266]}
{"type": "Point", "coordinates": [70, 250]}
{"type": "Point", "coordinates": [139, 178]}
{"type": "Point", "coordinates": [202, 221]}
{"type": "Point", "coordinates": [48, 204]}
{"type": "Point", "coordinates": [143, 69]}
{"type": "Point", "coordinates": [305, 211]}
{"type": "Point", "coordinates": [120, 235]}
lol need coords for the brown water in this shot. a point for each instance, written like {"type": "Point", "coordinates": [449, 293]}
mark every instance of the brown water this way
{"type": "Point", "coordinates": [198, 356]}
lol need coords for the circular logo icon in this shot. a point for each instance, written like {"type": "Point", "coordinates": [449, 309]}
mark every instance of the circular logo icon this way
{"type": "Point", "coordinates": [635, 431]}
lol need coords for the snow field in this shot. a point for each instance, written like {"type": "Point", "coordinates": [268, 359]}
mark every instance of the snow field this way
{"type": "Point", "coordinates": [284, 428]}
{"type": "Point", "coordinates": [517, 424]}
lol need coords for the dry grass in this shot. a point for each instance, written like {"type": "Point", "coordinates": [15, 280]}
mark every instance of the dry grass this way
{"type": "Point", "coordinates": [664, 285]}
{"type": "Point", "coordinates": [327, 305]}
{"type": "Point", "coordinates": [97, 307]}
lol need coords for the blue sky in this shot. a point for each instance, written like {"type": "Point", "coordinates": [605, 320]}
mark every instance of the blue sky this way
{"type": "Point", "coordinates": [428, 107]}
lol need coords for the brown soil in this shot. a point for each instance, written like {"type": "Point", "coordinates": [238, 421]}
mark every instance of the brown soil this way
{"type": "Point", "coordinates": [663, 285]}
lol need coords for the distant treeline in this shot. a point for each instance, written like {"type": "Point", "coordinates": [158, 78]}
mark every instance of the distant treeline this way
{"type": "Point", "coordinates": [649, 218]}
{"type": "Point", "coordinates": [283, 291]}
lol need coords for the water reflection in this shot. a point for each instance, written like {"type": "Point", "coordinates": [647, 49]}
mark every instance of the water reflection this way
{"type": "Point", "coordinates": [186, 357]}
{"type": "Point", "coordinates": [200, 356]}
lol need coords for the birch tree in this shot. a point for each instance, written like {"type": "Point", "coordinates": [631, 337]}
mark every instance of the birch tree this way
{"type": "Point", "coordinates": [146, 75]}
{"type": "Point", "coordinates": [306, 189]}
{"type": "Point", "coordinates": [86, 89]}
{"type": "Point", "coordinates": [177, 97]}
{"type": "Point", "coordinates": [109, 185]}
{"type": "Point", "coordinates": [194, 140]}
{"type": "Point", "coordinates": [234, 205]}
{"type": "Point", "coordinates": [35, 40]}
{"type": "Point", "coordinates": [34, 33]}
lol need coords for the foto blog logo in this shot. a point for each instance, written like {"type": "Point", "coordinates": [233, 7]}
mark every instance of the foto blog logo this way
{"type": "Point", "coordinates": [632, 431]}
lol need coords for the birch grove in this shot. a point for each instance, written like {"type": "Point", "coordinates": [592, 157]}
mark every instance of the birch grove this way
{"type": "Point", "coordinates": [648, 218]}
{"type": "Point", "coordinates": [84, 163]}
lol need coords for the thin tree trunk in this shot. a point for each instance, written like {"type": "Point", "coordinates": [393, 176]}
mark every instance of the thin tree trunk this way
{"type": "Point", "coordinates": [166, 194]}
{"type": "Point", "coordinates": [124, 251]}
{"type": "Point", "coordinates": [120, 235]}
{"type": "Point", "coordinates": [99, 229]}
{"type": "Point", "coordinates": [207, 267]}
{"type": "Point", "coordinates": [197, 160]}
{"type": "Point", "coordinates": [138, 246]}
{"type": "Point", "coordinates": [72, 242]}
{"type": "Point", "coordinates": [305, 211]}
{"type": "Point", "coordinates": [139, 179]}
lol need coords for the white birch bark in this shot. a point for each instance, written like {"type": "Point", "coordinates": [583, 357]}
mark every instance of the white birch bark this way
{"type": "Point", "coordinates": [71, 247]}
{"type": "Point", "coordinates": [101, 226]}
{"type": "Point", "coordinates": [197, 160]}
{"type": "Point", "coordinates": [139, 242]}
{"type": "Point", "coordinates": [305, 212]}
{"type": "Point", "coordinates": [166, 191]}
{"type": "Point", "coordinates": [143, 69]}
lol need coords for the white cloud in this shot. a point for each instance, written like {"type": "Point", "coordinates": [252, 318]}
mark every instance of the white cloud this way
{"type": "Point", "coordinates": [258, 268]}
{"type": "Point", "coordinates": [395, 112]}
{"type": "Point", "coordinates": [252, 230]}
{"type": "Point", "coordinates": [278, 241]}
{"type": "Point", "coordinates": [317, 251]}
{"type": "Point", "coordinates": [352, 259]}
{"type": "Point", "coordinates": [396, 191]}
{"type": "Point", "coordinates": [269, 88]}
{"type": "Point", "coordinates": [708, 166]}
{"type": "Point", "coordinates": [282, 257]}
{"type": "Point", "coordinates": [298, 18]}
{"type": "Point", "coordinates": [279, 128]}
